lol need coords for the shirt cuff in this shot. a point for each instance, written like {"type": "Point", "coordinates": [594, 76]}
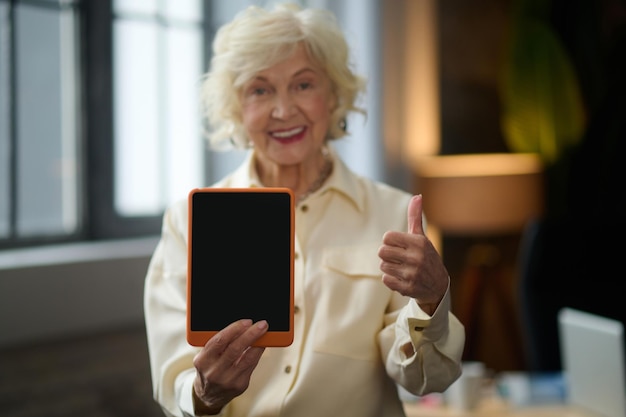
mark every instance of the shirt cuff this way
{"type": "Point", "coordinates": [186, 395]}
{"type": "Point", "coordinates": [186, 398]}
{"type": "Point", "coordinates": [419, 324]}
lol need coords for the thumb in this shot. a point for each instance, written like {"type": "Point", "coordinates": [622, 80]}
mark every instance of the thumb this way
{"type": "Point", "coordinates": [414, 215]}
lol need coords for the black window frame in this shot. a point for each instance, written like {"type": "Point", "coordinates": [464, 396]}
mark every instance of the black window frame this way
{"type": "Point", "coordinates": [98, 219]}
{"type": "Point", "coordinates": [102, 222]}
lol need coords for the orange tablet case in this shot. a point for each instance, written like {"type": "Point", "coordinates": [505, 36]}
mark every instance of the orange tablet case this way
{"type": "Point", "coordinates": [240, 261]}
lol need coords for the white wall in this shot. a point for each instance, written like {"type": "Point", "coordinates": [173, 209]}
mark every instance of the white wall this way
{"type": "Point", "coordinates": [54, 292]}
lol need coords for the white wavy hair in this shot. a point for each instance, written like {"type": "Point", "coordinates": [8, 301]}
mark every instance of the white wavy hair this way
{"type": "Point", "coordinates": [259, 38]}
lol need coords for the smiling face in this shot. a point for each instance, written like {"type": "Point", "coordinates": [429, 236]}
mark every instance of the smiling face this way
{"type": "Point", "coordinates": [286, 111]}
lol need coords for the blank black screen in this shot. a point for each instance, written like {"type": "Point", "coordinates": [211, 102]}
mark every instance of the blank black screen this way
{"type": "Point", "coordinates": [240, 263]}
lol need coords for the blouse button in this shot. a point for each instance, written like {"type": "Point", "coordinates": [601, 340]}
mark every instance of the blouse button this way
{"type": "Point", "coordinates": [287, 369]}
{"type": "Point", "coordinates": [305, 208]}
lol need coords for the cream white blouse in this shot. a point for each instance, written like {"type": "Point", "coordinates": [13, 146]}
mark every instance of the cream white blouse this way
{"type": "Point", "coordinates": [346, 357]}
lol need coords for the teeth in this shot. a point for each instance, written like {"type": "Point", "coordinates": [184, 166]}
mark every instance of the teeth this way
{"type": "Point", "coordinates": [288, 133]}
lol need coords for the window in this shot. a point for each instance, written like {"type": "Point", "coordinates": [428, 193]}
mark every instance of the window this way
{"type": "Point", "coordinates": [39, 129]}
{"type": "Point", "coordinates": [144, 65]}
{"type": "Point", "coordinates": [99, 116]}
{"type": "Point", "coordinates": [157, 66]}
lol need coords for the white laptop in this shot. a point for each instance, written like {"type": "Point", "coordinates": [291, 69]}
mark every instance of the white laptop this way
{"type": "Point", "coordinates": [592, 356]}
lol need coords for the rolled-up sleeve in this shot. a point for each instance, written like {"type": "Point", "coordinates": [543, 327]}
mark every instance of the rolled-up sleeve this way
{"type": "Point", "coordinates": [165, 315]}
{"type": "Point", "coordinates": [436, 342]}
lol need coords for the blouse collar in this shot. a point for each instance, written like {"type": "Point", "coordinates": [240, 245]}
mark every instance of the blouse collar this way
{"type": "Point", "coordinates": [342, 180]}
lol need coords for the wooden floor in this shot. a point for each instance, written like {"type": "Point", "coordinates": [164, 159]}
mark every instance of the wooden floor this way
{"type": "Point", "coordinates": [104, 375]}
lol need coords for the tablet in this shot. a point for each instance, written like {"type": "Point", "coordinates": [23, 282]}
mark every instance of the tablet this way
{"type": "Point", "coordinates": [240, 262]}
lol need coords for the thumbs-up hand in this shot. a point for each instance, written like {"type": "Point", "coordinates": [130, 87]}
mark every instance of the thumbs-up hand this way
{"type": "Point", "coordinates": [410, 263]}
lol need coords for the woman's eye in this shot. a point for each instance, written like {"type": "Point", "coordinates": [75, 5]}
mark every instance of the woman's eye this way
{"type": "Point", "coordinates": [304, 85]}
{"type": "Point", "coordinates": [259, 91]}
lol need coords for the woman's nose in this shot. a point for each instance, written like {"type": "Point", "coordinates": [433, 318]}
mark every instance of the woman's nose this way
{"type": "Point", "coordinates": [284, 107]}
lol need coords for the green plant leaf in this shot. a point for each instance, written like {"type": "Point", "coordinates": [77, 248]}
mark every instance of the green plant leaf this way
{"type": "Point", "coordinates": [542, 105]}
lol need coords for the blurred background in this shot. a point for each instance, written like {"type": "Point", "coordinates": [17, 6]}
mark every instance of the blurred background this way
{"type": "Point", "coordinates": [508, 115]}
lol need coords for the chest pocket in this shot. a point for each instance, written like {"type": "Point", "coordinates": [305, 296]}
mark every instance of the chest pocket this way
{"type": "Point", "coordinates": [353, 302]}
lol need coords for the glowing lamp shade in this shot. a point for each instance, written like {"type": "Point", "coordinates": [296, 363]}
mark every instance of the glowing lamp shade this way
{"type": "Point", "coordinates": [479, 194]}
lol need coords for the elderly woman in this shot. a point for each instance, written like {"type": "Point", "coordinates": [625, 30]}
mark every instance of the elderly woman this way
{"type": "Point", "coordinates": [372, 294]}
